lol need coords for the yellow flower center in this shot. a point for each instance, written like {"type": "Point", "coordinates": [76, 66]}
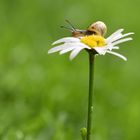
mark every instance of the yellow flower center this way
{"type": "Point", "coordinates": [93, 41]}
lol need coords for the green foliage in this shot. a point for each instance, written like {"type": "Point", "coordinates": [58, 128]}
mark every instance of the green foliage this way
{"type": "Point", "coordinates": [44, 97]}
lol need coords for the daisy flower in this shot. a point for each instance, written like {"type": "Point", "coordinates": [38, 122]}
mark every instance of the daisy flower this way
{"type": "Point", "coordinates": [96, 43]}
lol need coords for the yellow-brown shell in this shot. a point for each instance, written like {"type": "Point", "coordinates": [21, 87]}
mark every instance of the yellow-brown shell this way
{"type": "Point", "coordinates": [98, 27]}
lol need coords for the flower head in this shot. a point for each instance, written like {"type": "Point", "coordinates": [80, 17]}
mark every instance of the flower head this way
{"type": "Point", "coordinates": [96, 43]}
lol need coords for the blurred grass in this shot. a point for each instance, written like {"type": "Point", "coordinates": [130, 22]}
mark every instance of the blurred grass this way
{"type": "Point", "coordinates": [44, 97]}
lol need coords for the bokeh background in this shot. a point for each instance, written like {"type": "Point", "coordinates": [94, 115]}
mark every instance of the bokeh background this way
{"type": "Point", "coordinates": [44, 97]}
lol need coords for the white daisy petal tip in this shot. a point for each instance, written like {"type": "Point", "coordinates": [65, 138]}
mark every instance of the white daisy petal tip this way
{"type": "Point", "coordinates": [66, 40]}
{"type": "Point", "coordinates": [131, 33]}
{"type": "Point", "coordinates": [117, 54]}
{"type": "Point", "coordinates": [122, 40]}
{"type": "Point", "coordinates": [66, 50]}
{"type": "Point", "coordinates": [57, 42]}
{"type": "Point", "coordinates": [50, 51]}
{"type": "Point", "coordinates": [55, 49]}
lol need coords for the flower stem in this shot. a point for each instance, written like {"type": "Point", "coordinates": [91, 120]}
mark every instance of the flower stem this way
{"type": "Point", "coordinates": [90, 96]}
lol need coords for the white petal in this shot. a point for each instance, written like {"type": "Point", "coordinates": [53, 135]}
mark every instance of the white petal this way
{"type": "Point", "coordinates": [101, 50]}
{"type": "Point", "coordinates": [118, 32]}
{"type": "Point", "coordinates": [67, 49]}
{"type": "Point", "coordinates": [117, 54]}
{"type": "Point", "coordinates": [122, 40]}
{"type": "Point", "coordinates": [119, 37]}
{"type": "Point", "coordinates": [74, 46]}
{"type": "Point", "coordinates": [115, 47]}
{"type": "Point", "coordinates": [110, 47]}
{"type": "Point", "coordinates": [124, 35]}
{"type": "Point", "coordinates": [58, 48]}
{"type": "Point", "coordinates": [75, 52]}
{"type": "Point", "coordinates": [66, 40]}
{"type": "Point", "coordinates": [83, 45]}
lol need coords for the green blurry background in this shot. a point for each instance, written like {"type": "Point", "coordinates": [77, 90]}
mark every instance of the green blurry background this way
{"type": "Point", "coordinates": [44, 97]}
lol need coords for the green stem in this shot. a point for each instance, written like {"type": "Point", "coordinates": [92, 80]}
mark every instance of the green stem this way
{"type": "Point", "coordinates": [90, 96]}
